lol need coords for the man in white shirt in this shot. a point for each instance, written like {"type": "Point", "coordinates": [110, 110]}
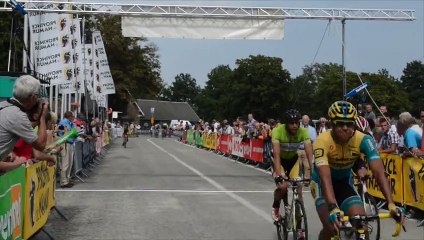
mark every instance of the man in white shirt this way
{"type": "Point", "coordinates": [301, 152]}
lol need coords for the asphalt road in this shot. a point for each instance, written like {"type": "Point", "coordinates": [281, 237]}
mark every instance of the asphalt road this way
{"type": "Point", "coordinates": [162, 189]}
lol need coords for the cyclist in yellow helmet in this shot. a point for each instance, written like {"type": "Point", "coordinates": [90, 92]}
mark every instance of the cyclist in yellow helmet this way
{"type": "Point", "coordinates": [335, 154]}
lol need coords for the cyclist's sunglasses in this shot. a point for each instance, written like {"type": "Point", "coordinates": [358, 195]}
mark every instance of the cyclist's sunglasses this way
{"type": "Point", "coordinates": [342, 123]}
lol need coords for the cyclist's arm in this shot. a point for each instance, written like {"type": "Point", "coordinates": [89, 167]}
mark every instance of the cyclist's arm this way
{"type": "Point", "coordinates": [327, 184]}
{"type": "Point", "coordinates": [321, 163]}
{"type": "Point", "coordinates": [276, 150]}
{"type": "Point", "coordinates": [376, 165]}
{"type": "Point", "coordinates": [309, 154]}
{"type": "Point", "coordinates": [277, 160]}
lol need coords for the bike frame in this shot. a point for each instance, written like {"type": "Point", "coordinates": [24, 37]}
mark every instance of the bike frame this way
{"type": "Point", "coordinates": [291, 218]}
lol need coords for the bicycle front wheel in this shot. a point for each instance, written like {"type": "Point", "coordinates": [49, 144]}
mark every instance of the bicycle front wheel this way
{"type": "Point", "coordinates": [301, 222]}
{"type": "Point", "coordinates": [281, 225]}
{"type": "Point", "coordinates": [371, 208]}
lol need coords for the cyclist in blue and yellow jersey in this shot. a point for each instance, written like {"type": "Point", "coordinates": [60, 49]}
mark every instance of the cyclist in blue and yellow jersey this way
{"type": "Point", "coordinates": [286, 139]}
{"type": "Point", "coordinates": [335, 154]}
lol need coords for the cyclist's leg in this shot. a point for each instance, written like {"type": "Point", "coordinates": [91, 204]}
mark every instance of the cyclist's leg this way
{"type": "Point", "coordinates": [291, 168]}
{"type": "Point", "coordinates": [295, 173]}
{"type": "Point", "coordinates": [279, 193]}
{"type": "Point", "coordinates": [321, 206]}
{"type": "Point", "coordinates": [351, 204]}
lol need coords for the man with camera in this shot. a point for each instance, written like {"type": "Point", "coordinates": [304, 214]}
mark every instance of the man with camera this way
{"type": "Point", "coordinates": [15, 124]}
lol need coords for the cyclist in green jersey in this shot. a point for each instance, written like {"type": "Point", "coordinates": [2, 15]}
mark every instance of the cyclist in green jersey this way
{"type": "Point", "coordinates": [286, 139]}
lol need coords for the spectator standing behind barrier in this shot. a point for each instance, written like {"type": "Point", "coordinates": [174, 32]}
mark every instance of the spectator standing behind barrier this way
{"type": "Point", "coordinates": [411, 132]}
{"type": "Point", "coordinates": [390, 139]}
{"type": "Point", "coordinates": [369, 114]}
{"type": "Point", "coordinates": [228, 129]}
{"type": "Point", "coordinates": [422, 118]}
{"type": "Point", "coordinates": [14, 122]}
{"type": "Point", "coordinates": [322, 125]}
{"type": "Point", "coordinates": [67, 124]}
{"type": "Point", "coordinates": [251, 122]}
{"type": "Point", "coordinates": [301, 152]}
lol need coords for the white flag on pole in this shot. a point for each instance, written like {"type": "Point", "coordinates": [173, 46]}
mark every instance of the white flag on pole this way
{"type": "Point", "coordinates": [88, 68]}
{"type": "Point", "coordinates": [103, 81]}
{"type": "Point", "coordinates": [46, 46]}
{"type": "Point", "coordinates": [68, 56]}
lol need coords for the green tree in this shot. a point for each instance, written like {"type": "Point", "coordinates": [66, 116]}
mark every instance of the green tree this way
{"type": "Point", "coordinates": [216, 94]}
{"type": "Point", "coordinates": [183, 89]}
{"type": "Point", "coordinates": [318, 87]}
{"type": "Point", "coordinates": [412, 82]}
{"type": "Point", "coordinates": [260, 85]}
{"type": "Point", "coordinates": [5, 25]}
{"type": "Point", "coordinates": [303, 91]}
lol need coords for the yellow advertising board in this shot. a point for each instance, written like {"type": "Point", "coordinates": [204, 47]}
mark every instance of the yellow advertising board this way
{"type": "Point", "coordinates": [393, 167]}
{"type": "Point", "coordinates": [413, 172]}
{"type": "Point", "coordinates": [106, 139]}
{"type": "Point", "coordinates": [39, 197]}
{"type": "Point", "coordinates": [213, 138]}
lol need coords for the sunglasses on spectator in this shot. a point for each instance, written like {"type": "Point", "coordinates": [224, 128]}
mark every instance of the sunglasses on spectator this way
{"type": "Point", "coordinates": [341, 123]}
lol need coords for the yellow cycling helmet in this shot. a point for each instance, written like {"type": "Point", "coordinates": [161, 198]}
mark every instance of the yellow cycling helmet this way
{"type": "Point", "coordinates": [342, 110]}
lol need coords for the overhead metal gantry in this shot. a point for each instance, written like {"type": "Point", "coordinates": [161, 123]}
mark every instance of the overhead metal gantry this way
{"type": "Point", "coordinates": [211, 11]}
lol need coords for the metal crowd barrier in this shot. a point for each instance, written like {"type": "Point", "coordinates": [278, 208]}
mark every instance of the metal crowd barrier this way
{"type": "Point", "coordinates": [84, 158]}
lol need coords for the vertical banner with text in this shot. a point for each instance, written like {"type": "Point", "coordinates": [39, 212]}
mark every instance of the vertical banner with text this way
{"type": "Point", "coordinates": [88, 68]}
{"type": "Point", "coordinates": [102, 76]}
{"type": "Point", "coordinates": [46, 46]}
{"type": "Point", "coordinates": [68, 56]}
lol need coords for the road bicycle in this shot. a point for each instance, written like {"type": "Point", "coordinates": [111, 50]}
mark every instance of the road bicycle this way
{"type": "Point", "coordinates": [293, 219]}
{"type": "Point", "coordinates": [359, 226]}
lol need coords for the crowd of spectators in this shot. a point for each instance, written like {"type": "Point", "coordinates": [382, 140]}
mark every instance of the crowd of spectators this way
{"type": "Point", "coordinates": [28, 131]}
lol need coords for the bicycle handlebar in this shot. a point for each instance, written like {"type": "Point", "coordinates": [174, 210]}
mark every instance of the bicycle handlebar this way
{"type": "Point", "coordinates": [380, 216]}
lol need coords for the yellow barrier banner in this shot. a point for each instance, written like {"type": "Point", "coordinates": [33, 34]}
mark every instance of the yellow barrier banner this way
{"type": "Point", "coordinates": [204, 137]}
{"type": "Point", "coordinates": [413, 172]}
{"type": "Point", "coordinates": [213, 140]}
{"type": "Point", "coordinates": [39, 197]}
{"type": "Point", "coordinates": [393, 167]}
{"type": "Point", "coordinates": [209, 140]}
{"type": "Point", "coordinates": [106, 140]}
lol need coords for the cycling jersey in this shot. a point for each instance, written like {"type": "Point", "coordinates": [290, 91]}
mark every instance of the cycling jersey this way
{"type": "Point", "coordinates": [341, 158]}
{"type": "Point", "coordinates": [289, 144]}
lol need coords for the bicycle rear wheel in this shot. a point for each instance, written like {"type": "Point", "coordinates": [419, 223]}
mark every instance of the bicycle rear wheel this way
{"type": "Point", "coordinates": [301, 222]}
{"type": "Point", "coordinates": [371, 208]}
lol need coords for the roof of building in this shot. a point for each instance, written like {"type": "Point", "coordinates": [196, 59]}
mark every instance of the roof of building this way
{"type": "Point", "coordinates": [166, 111]}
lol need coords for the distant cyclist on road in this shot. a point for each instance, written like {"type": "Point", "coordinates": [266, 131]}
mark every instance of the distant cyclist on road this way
{"type": "Point", "coordinates": [286, 139]}
{"type": "Point", "coordinates": [335, 154]}
{"type": "Point", "coordinates": [125, 136]}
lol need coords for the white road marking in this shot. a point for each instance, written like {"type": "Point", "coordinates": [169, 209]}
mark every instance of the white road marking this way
{"type": "Point", "coordinates": [164, 190]}
{"type": "Point", "coordinates": [264, 215]}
